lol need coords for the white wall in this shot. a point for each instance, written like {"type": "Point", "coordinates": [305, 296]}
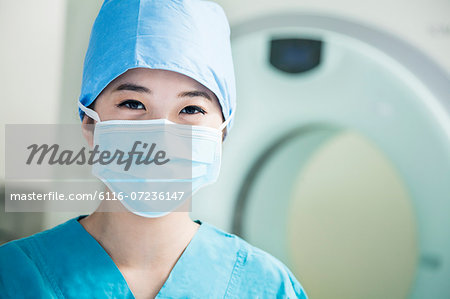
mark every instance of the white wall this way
{"type": "Point", "coordinates": [31, 51]}
{"type": "Point", "coordinates": [43, 43]}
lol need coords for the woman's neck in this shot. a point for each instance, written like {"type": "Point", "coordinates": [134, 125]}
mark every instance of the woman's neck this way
{"type": "Point", "coordinates": [136, 242]}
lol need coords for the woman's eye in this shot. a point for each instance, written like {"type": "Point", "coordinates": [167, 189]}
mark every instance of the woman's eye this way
{"type": "Point", "coordinates": [192, 110]}
{"type": "Point", "coordinates": [132, 104]}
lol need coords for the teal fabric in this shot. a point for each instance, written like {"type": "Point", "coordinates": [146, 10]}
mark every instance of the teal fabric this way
{"type": "Point", "coordinates": [67, 262]}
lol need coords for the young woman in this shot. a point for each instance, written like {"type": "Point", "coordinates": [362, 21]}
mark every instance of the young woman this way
{"type": "Point", "coordinates": [150, 62]}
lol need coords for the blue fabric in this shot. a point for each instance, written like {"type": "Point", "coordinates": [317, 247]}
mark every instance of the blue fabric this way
{"type": "Point", "coordinates": [191, 37]}
{"type": "Point", "coordinates": [67, 262]}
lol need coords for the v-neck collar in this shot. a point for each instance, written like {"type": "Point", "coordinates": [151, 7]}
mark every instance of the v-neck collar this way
{"type": "Point", "coordinates": [75, 263]}
{"type": "Point", "coordinates": [172, 278]}
{"type": "Point", "coordinates": [205, 268]}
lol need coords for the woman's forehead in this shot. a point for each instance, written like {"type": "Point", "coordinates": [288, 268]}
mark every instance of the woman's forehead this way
{"type": "Point", "coordinates": [147, 77]}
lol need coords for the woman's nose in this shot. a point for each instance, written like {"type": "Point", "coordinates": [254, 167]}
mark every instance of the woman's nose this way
{"type": "Point", "coordinates": [163, 113]}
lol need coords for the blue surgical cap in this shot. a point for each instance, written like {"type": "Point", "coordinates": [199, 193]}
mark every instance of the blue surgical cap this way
{"type": "Point", "coordinates": [191, 37]}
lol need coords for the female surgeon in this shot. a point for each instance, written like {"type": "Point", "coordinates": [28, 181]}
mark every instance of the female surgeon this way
{"type": "Point", "coordinates": [153, 69]}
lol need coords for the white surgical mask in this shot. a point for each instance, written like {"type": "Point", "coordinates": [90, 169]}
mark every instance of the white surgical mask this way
{"type": "Point", "coordinates": [183, 159]}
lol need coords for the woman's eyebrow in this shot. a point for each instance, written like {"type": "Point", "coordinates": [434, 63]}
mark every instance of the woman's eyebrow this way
{"type": "Point", "coordinates": [194, 93]}
{"type": "Point", "coordinates": [139, 88]}
{"type": "Point", "coordinates": [133, 87]}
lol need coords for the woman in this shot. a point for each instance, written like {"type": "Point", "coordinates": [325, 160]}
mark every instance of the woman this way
{"type": "Point", "coordinates": [150, 63]}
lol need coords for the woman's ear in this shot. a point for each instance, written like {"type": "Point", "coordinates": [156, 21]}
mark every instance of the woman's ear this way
{"type": "Point", "coordinates": [87, 128]}
{"type": "Point", "coordinates": [224, 133]}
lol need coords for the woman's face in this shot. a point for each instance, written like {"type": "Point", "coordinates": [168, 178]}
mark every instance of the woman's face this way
{"type": "Point", "coordinates": [142, 94]}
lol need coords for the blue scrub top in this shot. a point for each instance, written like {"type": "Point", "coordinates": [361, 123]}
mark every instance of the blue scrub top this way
{"type": "Point", "coordinates": [67, 262]}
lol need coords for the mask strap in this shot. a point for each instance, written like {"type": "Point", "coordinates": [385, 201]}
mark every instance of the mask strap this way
{"type": "Point", "coordinates": [225, 123]}
{"type": "Point", "coordinates": [89, 112]}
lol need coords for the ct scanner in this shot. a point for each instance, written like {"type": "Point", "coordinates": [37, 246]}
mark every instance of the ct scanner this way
{"type": "Point", "coordinates": [339, 160]}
